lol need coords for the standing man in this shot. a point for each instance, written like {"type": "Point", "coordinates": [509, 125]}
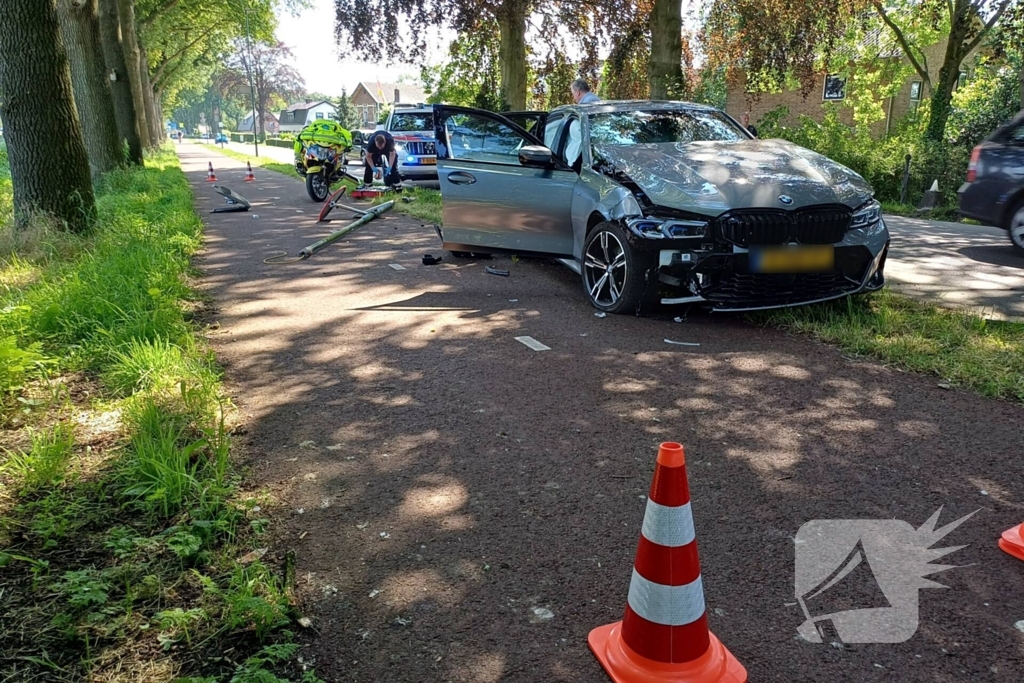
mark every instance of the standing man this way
{"type": "Point", "coordinates": [745, 120]}
{"type": "Point", "coordinates": [581, 92]}
{"type": "Point", "coordinates": [380, 147]}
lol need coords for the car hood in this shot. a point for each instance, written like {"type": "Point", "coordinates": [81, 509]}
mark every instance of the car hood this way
{"type": "Point", "coordinates": [715, 176]}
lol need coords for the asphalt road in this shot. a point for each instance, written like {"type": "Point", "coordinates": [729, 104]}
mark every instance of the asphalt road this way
{"type": "Point", "coordinates": [444, 485]}
{"type": "Point", "coordinates": [957, 265]}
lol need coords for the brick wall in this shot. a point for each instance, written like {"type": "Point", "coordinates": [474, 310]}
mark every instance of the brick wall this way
{"type": "Point", "coordinates": [813, 106]}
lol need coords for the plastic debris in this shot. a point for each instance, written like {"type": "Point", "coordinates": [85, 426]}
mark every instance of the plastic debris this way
{"type": "Point", "coordinates": [335, 447]}
{"type": "Point", "coordinates": [677, 319]}
{"type": "Point", "coordinates": [513, 301]}
{"type": "Point", "coordinates": [306, 622]}
{"type": "Point", "coordinates": [497, 271]}
{"type": "Point", "coordinates": [402, 622]}
{"type": "Point", "coordinates": [362, 525]}
{"type": "Point", "coordinates": [600, 314]}
{"type": "Point", "coordinates": [533, 343]}
{"type": "Point", "coordinates": [253, 556]}
{"type": "Point", "coordinates": [1019, 626]}
{"type": "Point", "coordinates": [396, 266]}
{"type": "Point", "coordinates": [984, 492]}
{"type": "Point", "coordinates": [385, 534]}
{"type": "Point", "coordinates": [255, 215]}
{"type": "Point", "coordinates": [541, 614]}
{"type": "Point", "coordinates": [677, 343]}
{"type": "Point", "coordinates": [375, 592]}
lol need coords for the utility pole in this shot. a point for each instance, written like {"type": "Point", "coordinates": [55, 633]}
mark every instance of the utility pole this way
{"type": "Point", "coordinates": [252, 90]}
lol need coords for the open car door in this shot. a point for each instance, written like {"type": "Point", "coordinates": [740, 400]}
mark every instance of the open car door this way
{"type": "Point", "coordinates": [500, 191]}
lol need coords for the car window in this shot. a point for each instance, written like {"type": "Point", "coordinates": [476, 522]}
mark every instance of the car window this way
{"type": "Point", "coordinates": [411, 123]}
{"type": "Point", "coordinates": [476, 138]}
{"type": "Point", "coordinates": [644, 127]}
{"type": "Point", "coordinates": [1016, 136]}
{"type": "Point", "coordinates": [551, 130]}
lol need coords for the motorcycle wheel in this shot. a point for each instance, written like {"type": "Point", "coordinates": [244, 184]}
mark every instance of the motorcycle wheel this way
{"type": "Point", "coordinates": [317, 187]}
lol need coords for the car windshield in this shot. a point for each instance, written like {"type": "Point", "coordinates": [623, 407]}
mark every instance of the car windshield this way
{"type": "Point", "coordinates": [645, 127]}
{"type": "Point", "coordinates": [412, 123]}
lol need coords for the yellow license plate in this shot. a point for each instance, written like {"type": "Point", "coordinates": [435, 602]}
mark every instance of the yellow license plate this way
{"type": "Point", "coordinates": [814, 259]}
{"type": "Point", "coordinates": [428, 161]}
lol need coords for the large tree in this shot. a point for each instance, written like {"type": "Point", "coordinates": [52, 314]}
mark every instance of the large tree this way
{"type": "Point", "coordinates": [80, 28]}
{"type": "Point", "coordinates": [49, 164]}
{"type": "Point", "coordinates": [120, 86]}
{"type": "Point", "coordinates": [775, 39]}
{"type": "Point", "coordinates": [133, 60]}
{"type": "Point", "coordinates": [666, 65]}
{"type": "Point", "coordinates": [373, 28]}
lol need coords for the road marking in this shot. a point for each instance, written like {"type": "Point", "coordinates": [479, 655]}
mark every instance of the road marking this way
{"type": "Point", "coordinates": [533, 343]}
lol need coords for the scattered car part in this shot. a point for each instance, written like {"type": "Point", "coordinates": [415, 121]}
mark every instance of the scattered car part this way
{"type": "Point", "coordinates": [369, 215]}
{"type": "Point", "coordinates": [431, 260]}
{"type": "Point", "coordinates": [236, 202]}
{"type": "Point", "coordinates": [497, 271]}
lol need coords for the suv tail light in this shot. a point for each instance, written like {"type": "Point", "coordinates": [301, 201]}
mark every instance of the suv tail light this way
{"type": "Point", "coordinates": [972, 168]}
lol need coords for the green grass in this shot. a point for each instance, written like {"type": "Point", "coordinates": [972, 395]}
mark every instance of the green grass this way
{"type": "Point", "coordinates": [939, 213]}
{"type": "Point", "coordinates": [117, 559]}
{"type": "Point", "coordinates": [425, 205]}
{"type": "Point", "coordinates": [957, 347]}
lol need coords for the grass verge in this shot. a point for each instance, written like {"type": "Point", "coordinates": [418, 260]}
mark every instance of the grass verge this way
{"type": "Point", "coordinates": [126, 547]}
{"type": "Point", "coordinates": [960, 348]}
{"type": "Point", "coordinates": [425, 205]}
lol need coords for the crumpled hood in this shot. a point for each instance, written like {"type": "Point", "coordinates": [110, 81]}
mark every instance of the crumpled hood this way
{"type": "Point", "coordinates": [716, 176]}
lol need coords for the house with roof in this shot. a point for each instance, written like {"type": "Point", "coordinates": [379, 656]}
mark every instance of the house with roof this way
{"type": "Point", "coordinates": [370, 98]}
{"type": "Point", "coordinates": [299, 115]}
{"type": "Point", "coordinates": [271, 124]}
{"type": "Point", "coordinates": [875, 51]}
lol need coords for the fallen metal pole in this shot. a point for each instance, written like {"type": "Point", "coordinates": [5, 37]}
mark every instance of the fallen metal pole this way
{"type": "Point", "coordinates": [320, 244]}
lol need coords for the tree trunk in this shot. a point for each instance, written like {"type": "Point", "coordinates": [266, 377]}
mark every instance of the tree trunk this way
{"type": "Point", "coordinates": [512, 53]}
{"type": "Point", "coordinates": [666, 66]}
{"type": "Point", "coordinates": [80, 29]}
{"type": "Point", "coordinates": [120, 88]}
{"type": "Point", "coordinates": [130, 42]}
{"type": "Point", "coordinates": [49, 164]}
{"type": "Point", "coordinates": [1020, 81]}
{"type": "Point", "coordinates": [154, 116]}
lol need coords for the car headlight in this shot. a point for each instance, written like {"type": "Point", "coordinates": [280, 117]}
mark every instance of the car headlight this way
{"type": "Point", "coordinates": [867, 215]}
{"type": "Point", "coordinates": [629, 206]}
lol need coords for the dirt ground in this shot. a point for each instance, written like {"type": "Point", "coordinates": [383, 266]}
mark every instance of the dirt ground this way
{"type": "Point", "coordinates": [440, 481]}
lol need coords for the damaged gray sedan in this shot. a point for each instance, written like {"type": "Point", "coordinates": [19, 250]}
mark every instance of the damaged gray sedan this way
{"type": "Point", "coordinates": [659, 202]}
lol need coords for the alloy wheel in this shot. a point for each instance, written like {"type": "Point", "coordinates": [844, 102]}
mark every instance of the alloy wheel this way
{"type": "Point", "coordinates": [320, 186]}
{"type": "Point", "coordinates": [1017, 228]}
{"type": "Point", "coordinates": [604, 269]}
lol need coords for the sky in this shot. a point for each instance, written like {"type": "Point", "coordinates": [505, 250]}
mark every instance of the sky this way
{"type": "Point", "coordinates": [310, 36]}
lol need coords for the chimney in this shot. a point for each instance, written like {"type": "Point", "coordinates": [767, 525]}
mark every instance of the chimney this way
{"type": "Point", "coordinates": [398, 96]}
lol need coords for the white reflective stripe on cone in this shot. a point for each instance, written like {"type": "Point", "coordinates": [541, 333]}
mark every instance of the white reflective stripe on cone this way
{"type": "Point", "coordinates": [669, 526]}
{"type": "Point", "coordinates": [666, 605]}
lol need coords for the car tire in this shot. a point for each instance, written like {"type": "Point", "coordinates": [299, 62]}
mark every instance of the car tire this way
{"type": "Point", "coordinates": [615, 275]}
{"type": "Point", "coordinates": [1015, 227]}
{"type": "Point", "coordinates": [317, 187]}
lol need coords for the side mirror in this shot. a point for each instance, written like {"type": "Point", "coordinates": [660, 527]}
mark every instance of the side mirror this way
{"type": "Point", "coordinates": [537, 156]}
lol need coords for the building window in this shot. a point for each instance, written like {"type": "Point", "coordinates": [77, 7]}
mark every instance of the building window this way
{"type": "Point", "coordinates": [961, 80]}
{"type": "Point", "coordinates": [835, 88]}
{"type": "Point", "coordinates": [319, 115]}
{"type": "Point", "coordinates": [915, 91]}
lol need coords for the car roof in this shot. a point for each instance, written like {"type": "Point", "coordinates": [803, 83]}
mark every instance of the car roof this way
{"type": "Point", "coordinates": [610, 106]}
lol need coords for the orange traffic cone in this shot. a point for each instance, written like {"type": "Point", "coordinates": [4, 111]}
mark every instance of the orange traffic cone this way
{"type": "Point", "coordinates": [249, 177]}
{"type": "Point", "coordinates": [664, 636]}
{"type": "Point", "coordinates": [1012, 541]}
{"type": "Point", "coordinates": [210, 177]}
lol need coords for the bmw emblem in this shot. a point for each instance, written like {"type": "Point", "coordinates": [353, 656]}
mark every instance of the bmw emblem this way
{"type": "Point", "coordinates": [785, 199]}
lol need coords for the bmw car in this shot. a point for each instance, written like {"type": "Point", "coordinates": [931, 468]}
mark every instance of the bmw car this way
{"type": "Point", "coordinates": [659, 202]}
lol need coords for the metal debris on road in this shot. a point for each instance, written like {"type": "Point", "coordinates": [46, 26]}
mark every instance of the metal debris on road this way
{"type": "Point", "coordinates": [497, 271]}
{"type": "Point", "coordinates": [533, 343]}
{"type": "Point", "coordinates": [396, 266]}
{"type": "Point", "coordinates": [669, 341]}
{"type": "Point", "coordinates": [374, 593]}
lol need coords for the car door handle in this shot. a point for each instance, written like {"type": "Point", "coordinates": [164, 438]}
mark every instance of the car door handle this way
{"type": "Point", "coordinates": [460, 178]}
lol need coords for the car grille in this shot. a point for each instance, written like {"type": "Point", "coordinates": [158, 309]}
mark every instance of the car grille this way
{"type": "Point", "coordinates": [420, 148]}
{"type": "Point", "coordinates": [737, 288]}
{"type": "Point", "coordinates": [817, 225]}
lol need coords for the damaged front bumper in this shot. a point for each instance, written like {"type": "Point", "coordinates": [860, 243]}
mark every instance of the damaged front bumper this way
{"type": "Point", "coordinates": [723, 280]}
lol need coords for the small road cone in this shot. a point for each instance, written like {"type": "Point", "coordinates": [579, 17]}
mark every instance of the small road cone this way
{"type": "Point", "coordinates": [210, 177]}
{"type": "Point", "coordinates": [249, 177]}
{"type": "Point", "coordinates": [1012, 541]}
{"type": "Point", "coordinates": [664, 636]}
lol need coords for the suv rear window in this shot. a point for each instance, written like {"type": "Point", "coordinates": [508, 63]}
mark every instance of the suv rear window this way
{"type": "Point", "coordinates": [411, 123]}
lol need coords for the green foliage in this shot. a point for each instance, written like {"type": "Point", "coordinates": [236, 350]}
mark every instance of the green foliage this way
{"type": "Point", "coordinates": [989, 99]}
{"type": "Point", "coordinates": [470, 77]}
{"type": "Point", "coordinates": [152, 364]}
{"type": "Point", "coordinates": [84, 589]}
{"type": "Point", "coordinates": [253, 600]}
{"type": "Point", "coordinates": [347, 115]}
{"type": "Point", "coordinates": [45, 464]}
{"type": "Point", "coordinates": [17, 363]}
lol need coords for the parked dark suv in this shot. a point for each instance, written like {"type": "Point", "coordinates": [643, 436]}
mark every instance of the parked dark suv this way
{"type": "Point", "coordinates": [994, 191]}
